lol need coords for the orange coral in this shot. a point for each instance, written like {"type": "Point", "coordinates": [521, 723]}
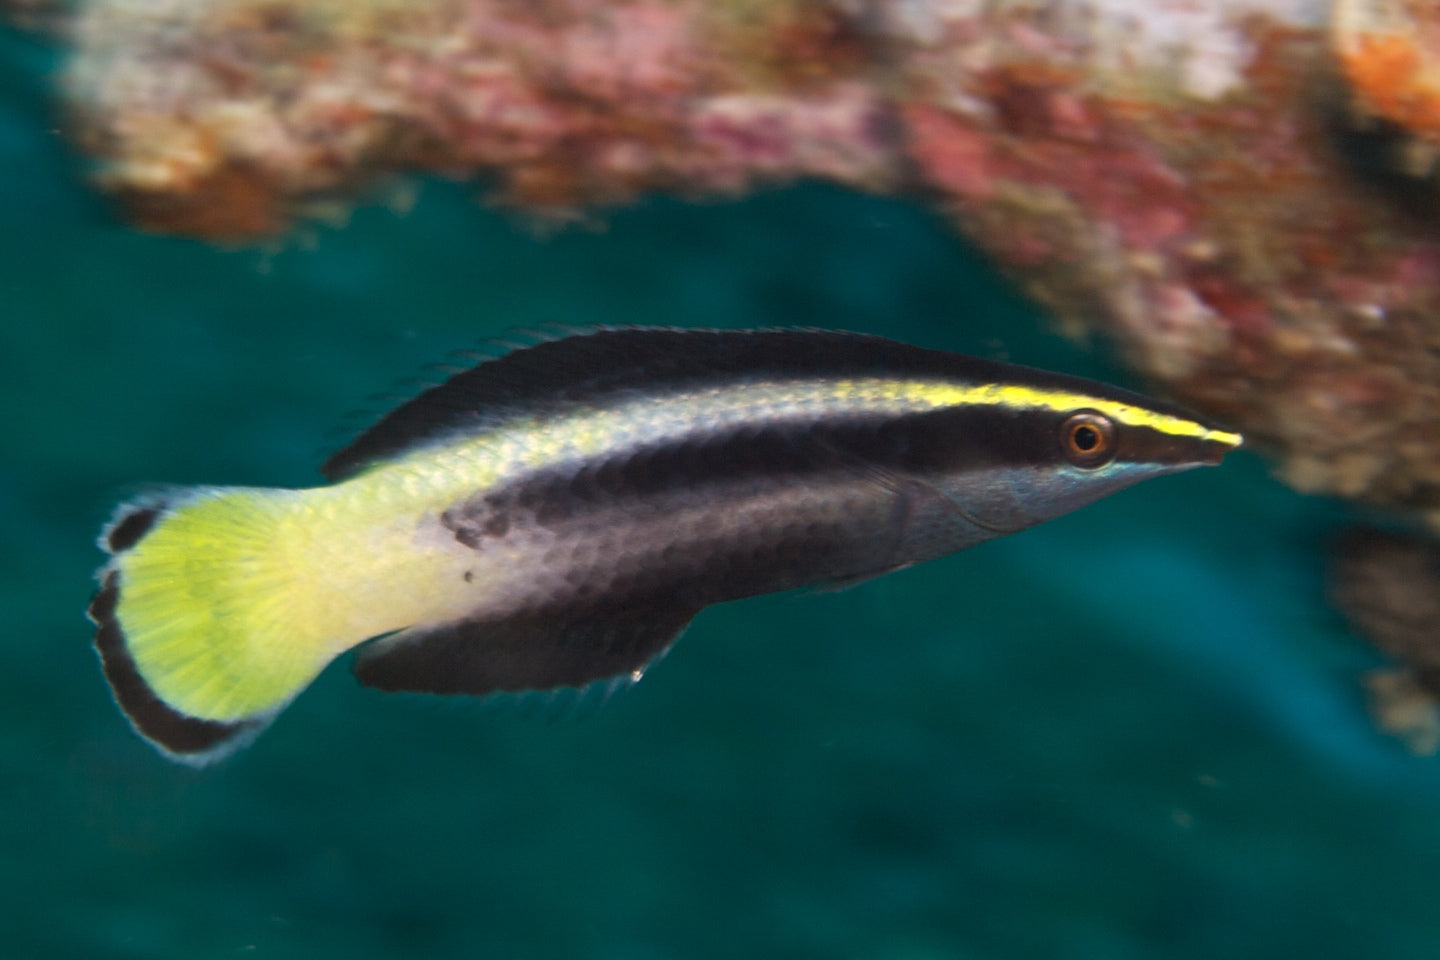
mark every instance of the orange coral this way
{"type": "Point", "coordinates": [1389, 51]}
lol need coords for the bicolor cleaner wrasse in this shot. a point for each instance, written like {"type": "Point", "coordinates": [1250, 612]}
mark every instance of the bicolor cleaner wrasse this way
{"type": "Point", "coordinates": [556, 516]}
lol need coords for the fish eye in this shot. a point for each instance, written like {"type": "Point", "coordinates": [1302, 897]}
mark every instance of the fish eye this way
{"type": "Point", "coordinates": [1087, 439]}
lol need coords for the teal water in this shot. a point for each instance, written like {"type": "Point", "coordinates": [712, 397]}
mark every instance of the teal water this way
{"type": "Point", "coordinates": [1135, 732]}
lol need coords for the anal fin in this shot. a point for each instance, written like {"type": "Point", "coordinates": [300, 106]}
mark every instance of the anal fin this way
{"type": "Point", "coordinates": [535, 650]}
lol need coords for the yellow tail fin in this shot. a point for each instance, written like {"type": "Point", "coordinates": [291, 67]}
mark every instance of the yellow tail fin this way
{"type": "Point", "coordinates": [200, 622]}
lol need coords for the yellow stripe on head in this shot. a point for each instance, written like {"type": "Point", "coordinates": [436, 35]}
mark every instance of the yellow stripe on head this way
{"type": "Point", "coordinates": [1064, 401]}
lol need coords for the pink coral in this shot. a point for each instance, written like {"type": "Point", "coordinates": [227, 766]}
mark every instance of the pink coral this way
{"type": "Point", "coordinates": [951, 154]}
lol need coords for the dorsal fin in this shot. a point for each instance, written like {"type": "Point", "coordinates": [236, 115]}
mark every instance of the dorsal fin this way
{"type": "Point", "coordinates": [556, 375]}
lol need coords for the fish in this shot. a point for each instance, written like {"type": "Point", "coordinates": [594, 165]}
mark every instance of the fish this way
{"type": "Point", "coordinates": [554, 517]}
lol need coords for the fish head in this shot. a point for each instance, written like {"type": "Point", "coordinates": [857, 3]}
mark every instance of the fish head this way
{"type": "Point", "coordinates": [1041, 462]}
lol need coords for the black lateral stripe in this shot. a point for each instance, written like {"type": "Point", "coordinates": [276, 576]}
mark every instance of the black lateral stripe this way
{"type": "Point", "coordinates": [157, 721]}
{"type": "Point", "coordinates": [554, 376]}
{"type": "Point", "coordinates": [914, 445]}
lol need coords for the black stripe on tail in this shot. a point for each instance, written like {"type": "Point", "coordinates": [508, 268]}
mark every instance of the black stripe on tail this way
{"type": "Point", "coordinates": [188, 739]}
{"type": "Point", "coordinates": [127, 530]}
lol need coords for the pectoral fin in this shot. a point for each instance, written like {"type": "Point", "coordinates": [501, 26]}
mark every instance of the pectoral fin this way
{"type": "Point", "coordinates": [538, 650]}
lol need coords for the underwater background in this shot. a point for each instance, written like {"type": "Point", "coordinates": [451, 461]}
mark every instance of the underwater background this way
{"type": "Point", "coordinates": [1134, 732]}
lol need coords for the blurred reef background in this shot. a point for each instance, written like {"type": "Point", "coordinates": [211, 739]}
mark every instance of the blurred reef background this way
{"type": "Point", "coordinates": [1139, 731]}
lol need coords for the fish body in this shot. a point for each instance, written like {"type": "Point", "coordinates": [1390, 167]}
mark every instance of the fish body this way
{"type": "Point", "coordinates": [556, 516]}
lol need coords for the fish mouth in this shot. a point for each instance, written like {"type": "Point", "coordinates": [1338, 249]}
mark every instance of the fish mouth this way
{"type": "Point", "coordinates": [1215, 444]}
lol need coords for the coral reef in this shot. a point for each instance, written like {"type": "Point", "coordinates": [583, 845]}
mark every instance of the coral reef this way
{"type": "Point", "coordinates": [1388, 585]}
{"type": "Point", "coordinates": [222, 119]}
{"type": "Point", "coordinates": [1389, 51]}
